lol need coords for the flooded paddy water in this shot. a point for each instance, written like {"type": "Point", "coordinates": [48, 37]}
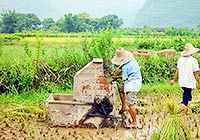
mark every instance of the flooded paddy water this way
{"type": "Point", "coordinates": [150, 117]}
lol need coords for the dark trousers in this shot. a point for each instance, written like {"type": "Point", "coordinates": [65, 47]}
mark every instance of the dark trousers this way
{"type": "Point", "coordinates": [187, 95]}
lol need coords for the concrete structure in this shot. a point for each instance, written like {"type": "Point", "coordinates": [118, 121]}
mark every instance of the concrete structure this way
{"type": "Point", "coordinates": [143, 53]}
{"type": "Point", "coordinates": [89, 82]}
{"type": "Point", "coordinates": [167, 52]}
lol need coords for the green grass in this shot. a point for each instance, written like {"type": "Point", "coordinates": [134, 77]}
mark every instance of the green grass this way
{"type": "Point", "coordinates": [159, 88]}
{"type": "Point", "coordinates": [26, 98]}
{"type": "Point", "coordinates": [33, 98]}
{"type": "Point", "coordinates": [26, 104]}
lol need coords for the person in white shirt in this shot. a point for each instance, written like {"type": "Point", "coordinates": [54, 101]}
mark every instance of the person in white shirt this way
{"type": "Point", "coordinates": [187, 74]}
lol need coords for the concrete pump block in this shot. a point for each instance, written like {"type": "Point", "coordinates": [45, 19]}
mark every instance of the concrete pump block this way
{"type": "Point", "coordinates": [63, 111]}
{"type": "Point", "coordinates": [89, 83]}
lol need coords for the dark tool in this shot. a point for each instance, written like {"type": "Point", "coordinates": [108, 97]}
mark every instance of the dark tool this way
{"type": "Point", "coordinates": [100, 108]}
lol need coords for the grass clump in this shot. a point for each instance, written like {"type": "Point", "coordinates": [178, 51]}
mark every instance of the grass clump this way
{"type": "Point", "coordinates": [173, 127]}
{"type": "Point", "coordinates": [171, 107]}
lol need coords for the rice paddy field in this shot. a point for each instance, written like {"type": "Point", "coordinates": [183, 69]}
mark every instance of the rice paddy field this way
{"type": "Point", "coordinates": [32, 68]}
{"type": "Point", "coordinates": [25, 116]}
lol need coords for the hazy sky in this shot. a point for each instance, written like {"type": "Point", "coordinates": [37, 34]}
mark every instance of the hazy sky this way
{"type": "Point", "coordinates": [125, 9]}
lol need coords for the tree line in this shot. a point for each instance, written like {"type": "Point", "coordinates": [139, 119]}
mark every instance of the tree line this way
{"type": "Point", "coordinates": [13, 22]}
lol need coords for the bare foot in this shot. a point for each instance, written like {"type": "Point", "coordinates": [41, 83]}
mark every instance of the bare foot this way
{"type": "Point", "coordinates": [184, 112]}
{"type": "Point", "coordinates": [131, 125]}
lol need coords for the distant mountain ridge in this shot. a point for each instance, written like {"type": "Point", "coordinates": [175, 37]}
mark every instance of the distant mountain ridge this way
{"type": "Point", "coordinates": [169, 13]}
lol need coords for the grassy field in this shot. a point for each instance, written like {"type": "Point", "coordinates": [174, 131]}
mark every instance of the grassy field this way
{"type": "Point", "coordinates": [33, 68]}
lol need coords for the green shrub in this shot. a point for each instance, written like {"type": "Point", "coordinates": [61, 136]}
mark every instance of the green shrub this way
{"type": "Point", "coordinates": [157, 68]}
{"type": "Point", "coordinates": [31, 67]}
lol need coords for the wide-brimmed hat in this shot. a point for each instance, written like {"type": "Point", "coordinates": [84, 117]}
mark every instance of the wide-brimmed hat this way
{"type": "Point", "coordinates": [121, 56]}
{"type": "Point", "coordinates": [189, 50]}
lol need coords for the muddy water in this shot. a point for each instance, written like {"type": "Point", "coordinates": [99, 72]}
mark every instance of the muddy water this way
{"type": "Point", "coordinates": [39, 129]}
{"type": "Point", "coordinates": [150, 117]}
{"type": "Point", "coordinates": [99, 134]}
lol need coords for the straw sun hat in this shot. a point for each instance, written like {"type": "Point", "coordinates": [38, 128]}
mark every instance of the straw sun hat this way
{"type": "Point", "coordinates": [121, 56]}
{"type": "Point", "coordinates": [189, 50]}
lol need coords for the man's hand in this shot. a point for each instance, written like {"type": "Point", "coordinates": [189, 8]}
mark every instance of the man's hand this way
{"type": "Point", "coordinates": [116, 77]}
{"type": "Point", "coordinates": [171, 82]}
{"type": "Point", "coordinates": [198, 86]}
{"type": "Point", "coordinates": [196, 75]}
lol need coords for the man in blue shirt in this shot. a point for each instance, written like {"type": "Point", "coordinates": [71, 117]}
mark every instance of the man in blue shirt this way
{"type": "Point", "coordinates": [132, 78]}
